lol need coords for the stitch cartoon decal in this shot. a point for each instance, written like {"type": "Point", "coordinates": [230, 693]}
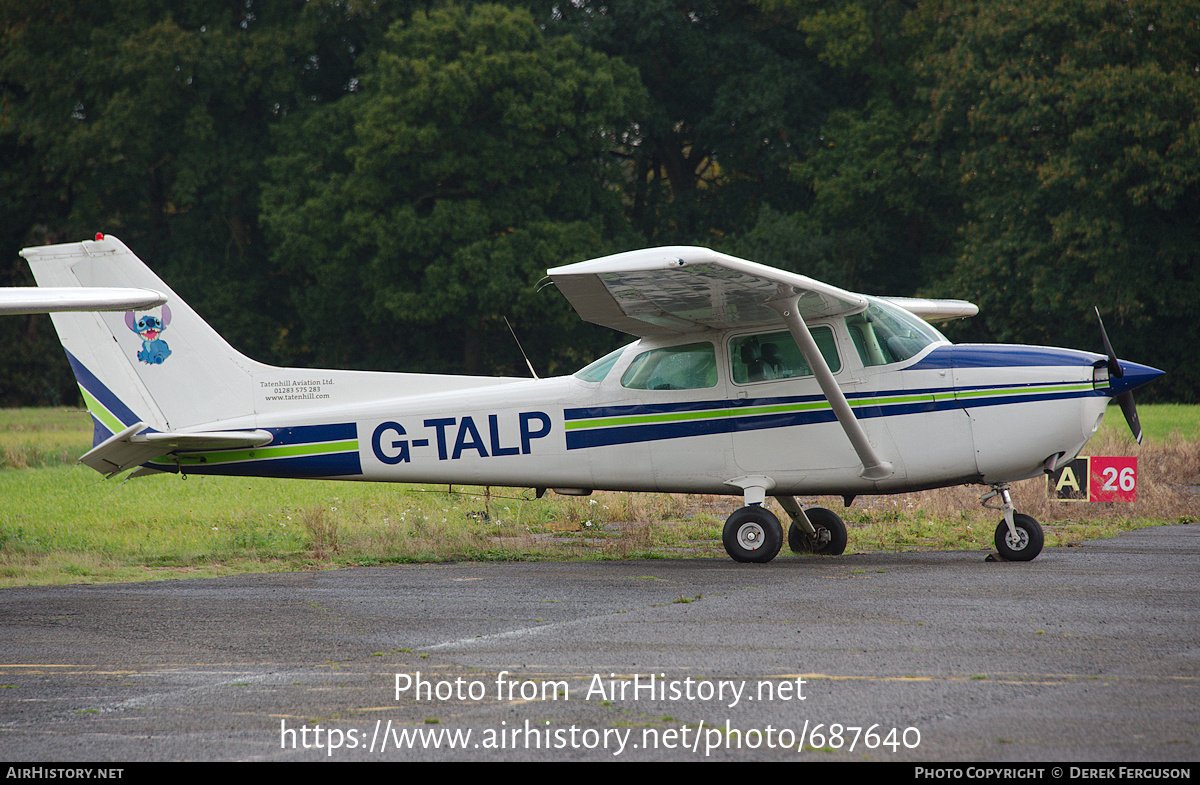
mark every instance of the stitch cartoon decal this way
{"type": "Point", "coordinates": [148, 328]}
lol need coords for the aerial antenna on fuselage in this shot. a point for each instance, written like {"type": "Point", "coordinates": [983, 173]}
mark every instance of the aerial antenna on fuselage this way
{"type": "Point", "coordinates": [521, 348]}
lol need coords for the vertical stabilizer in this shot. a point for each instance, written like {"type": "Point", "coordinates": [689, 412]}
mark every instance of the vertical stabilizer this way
{"type": "Point", "coordinates": [165, 366]}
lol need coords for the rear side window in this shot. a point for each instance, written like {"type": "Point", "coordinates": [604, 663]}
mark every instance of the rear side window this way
{"type": "Point", "coordinates": [688, 367]}
{"type": "Point", "coordinates": [760, 358]}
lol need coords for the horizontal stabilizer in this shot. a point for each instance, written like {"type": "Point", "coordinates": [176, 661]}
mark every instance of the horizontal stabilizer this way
{"type": "Point", "coordinates": [137, 444]}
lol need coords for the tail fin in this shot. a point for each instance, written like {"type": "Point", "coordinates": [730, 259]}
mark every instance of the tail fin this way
{"type": "Point", "coordinates": [166, 367]}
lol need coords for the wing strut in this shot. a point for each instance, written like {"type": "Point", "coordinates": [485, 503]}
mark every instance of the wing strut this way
{"type": "Point", "coordinates": [874, 467]}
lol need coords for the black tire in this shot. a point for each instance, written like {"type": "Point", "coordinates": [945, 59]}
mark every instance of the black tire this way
{"type": "Point", "coordinates": [1028, 543]}
{"type": "Point", "coordinates": [752, 534]}
{"type": "Point", "coordinates": [820, 518]}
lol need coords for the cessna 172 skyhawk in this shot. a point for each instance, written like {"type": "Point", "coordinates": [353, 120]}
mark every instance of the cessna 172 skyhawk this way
{"type": "Point", "coordinates": [744, 380]}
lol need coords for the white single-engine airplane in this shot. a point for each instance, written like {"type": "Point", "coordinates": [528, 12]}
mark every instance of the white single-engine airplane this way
{"type": "Point", "coordinates": [744, 380]}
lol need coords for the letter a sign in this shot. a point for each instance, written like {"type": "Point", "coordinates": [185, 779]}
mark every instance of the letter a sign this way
{"type": "Point", "coordinates": [1095, 479]}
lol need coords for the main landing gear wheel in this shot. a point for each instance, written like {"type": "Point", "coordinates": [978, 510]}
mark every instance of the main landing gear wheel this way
{"type": "Point", "coordinates": [1026, 545]}
{"type": "Point", "coordinates": [752, 534]}
{"type": "Point", "coordinates": [830, 539]}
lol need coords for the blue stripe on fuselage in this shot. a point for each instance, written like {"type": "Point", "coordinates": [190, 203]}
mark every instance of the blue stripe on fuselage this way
{"type": "Point", "coordinates": [725, 417]}
{"type": "Point", "coordinates": [342, 464]}
{"type": "Point", "coordinates": [308, 434]}
{"type": "Point", "coordinates": [983, 355]}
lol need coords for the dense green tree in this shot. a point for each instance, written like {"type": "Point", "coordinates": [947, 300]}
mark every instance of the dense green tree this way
{"type": "Point", "coordinates": [423, 210]}
{"type": "Point", "coordinates": [734, 97]}
{"type": "Point", "coordinates": [873, 222]}
{"type": "Point", "coordinates": [150, 120]}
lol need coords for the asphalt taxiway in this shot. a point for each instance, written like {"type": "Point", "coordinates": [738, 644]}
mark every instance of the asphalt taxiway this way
{"type": "Point", "coordinates": [1089, 653]}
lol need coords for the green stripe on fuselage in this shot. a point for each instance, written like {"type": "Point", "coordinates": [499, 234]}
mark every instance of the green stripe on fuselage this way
{"type": "Point", "coordinates": [785, 408]}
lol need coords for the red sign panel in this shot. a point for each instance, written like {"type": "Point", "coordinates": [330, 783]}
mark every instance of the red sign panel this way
{"type": "Point", "coordinates": [1112, 479]}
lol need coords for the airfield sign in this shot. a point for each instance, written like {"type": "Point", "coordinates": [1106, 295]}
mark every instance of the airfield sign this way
{"type": "Point", "coordinates": [1095, 479]}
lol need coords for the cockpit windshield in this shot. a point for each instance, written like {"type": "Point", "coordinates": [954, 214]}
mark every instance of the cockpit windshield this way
{"type": "Point", "coordinates": [596, 371]}
{"type": "Point", "coordinates": [886, 333]}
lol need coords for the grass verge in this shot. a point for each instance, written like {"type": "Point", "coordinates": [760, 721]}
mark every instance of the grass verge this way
{"type": "Point", "coordinates": [62, 523]}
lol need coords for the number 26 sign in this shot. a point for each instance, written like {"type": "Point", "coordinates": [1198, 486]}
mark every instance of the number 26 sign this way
{"type": "Point", "coordinates": [1095, 479]}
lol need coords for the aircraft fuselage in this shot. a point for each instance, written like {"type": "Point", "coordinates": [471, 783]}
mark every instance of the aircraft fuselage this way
{"type": "Point", "coordinates": [949, 415]}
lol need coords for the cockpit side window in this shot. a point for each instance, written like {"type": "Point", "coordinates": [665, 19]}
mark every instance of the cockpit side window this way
{"type": "Point", "coordinates": [763, 357]}
{"type": "Point", "coordinates": [886, 333]}
{"type": "Point", "coordinates": [688, 367]}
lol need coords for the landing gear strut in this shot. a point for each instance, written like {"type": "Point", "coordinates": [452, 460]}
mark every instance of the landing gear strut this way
{"type": "Point", "coordinates": [1018, 536]}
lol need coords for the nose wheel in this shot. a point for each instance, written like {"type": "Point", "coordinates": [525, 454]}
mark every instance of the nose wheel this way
{"type": "Point", "coordinates": [1018, 536]}
{"type": "Point", "coordinates": [1023, 542]}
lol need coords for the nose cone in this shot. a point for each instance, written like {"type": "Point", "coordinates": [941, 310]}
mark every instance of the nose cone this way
{"type": "Point", "coordinates": [1134, 376]}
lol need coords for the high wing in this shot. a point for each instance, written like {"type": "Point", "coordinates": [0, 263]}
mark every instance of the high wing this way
{"type": "Point", "coordinates": [40, 299]}
{"type": "Point", "coordinates": [680, 289]}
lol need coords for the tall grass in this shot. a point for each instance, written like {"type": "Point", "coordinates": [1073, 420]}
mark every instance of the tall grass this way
{"type": "Point", "coordinates": [32, 438]}
{"type": "Point", "coordinates": [1168, 480]}
{"type": "Point", "coordinates": [61, 522]}
{"type": "Point", "coordinates": [1162, 422]}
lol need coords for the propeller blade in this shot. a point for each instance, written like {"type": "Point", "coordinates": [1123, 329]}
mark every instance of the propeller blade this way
{"type": "Point", "coordinates": [1114, 367]}
{"type": "Point", "coordinates": [1129, 409]}
{"type": "Point", "coordinates": [1122, 391]}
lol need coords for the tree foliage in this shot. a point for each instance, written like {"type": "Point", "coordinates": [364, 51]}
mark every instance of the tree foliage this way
{"type": "Point", "coordinates": [477, 155]}
{"type": "Point", "coordinates": [735, 96]}
{"type": "Point", "coordinates": [381, 184]}
{"type": "Point", "coordinates": [150, 120]}
{"type": "Point", "coordinates": [874, 222]}
{"type": "Point", "coordinates": [1075, 136]}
